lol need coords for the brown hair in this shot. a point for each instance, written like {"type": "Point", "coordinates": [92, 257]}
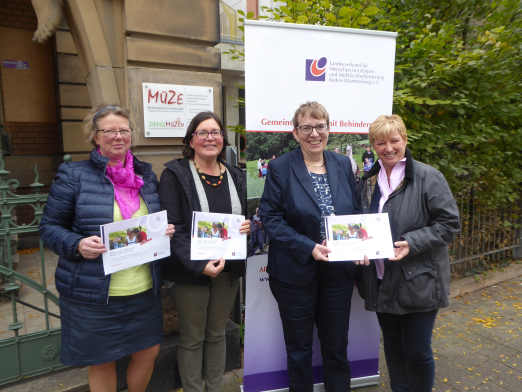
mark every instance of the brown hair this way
{"type": "Point", "coordinates": [314, 110]}
{"type": "Point", "coordinates": [188, 151]}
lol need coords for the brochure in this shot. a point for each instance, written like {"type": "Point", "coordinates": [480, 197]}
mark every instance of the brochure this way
{"type": "Point", "coordinates": [135, 241]}
{"type": "Point", "coordinates": [217, 235]}
{"type": "Point", "coordinates": [351, 237]}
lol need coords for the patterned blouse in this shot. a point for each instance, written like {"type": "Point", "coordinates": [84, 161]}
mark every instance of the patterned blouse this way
{"type": "Point", "coordinates": [322, 190]}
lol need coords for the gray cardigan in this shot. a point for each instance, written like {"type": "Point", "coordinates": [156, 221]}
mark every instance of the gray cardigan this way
{"type": "Point", "coordinates": [423, 212]}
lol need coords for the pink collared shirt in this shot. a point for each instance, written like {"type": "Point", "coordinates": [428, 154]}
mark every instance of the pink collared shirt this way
{"type": "Point", "coordinates": [387, 187]}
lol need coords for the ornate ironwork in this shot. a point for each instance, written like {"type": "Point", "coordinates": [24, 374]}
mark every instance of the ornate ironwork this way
{"type": "Point", "coordinates": [20, 350]}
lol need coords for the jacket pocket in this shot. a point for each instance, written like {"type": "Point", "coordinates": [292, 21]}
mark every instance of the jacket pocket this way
{"type": "Point", "coordinates": [418, 288]}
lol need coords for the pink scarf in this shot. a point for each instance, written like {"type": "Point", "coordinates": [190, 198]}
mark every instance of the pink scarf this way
{"type": "Point", "coordinates": [126, 186]}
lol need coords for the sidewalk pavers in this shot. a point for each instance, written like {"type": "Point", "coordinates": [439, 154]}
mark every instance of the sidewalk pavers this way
{"type": "Point", "coordinates": [476, 341]}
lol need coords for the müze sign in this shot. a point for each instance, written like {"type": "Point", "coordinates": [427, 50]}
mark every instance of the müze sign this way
{"type": "Point", "coordinates": [168, 108]}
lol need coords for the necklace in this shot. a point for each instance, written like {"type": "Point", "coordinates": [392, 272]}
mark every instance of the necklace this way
{"type": "Point", "coordinates": [207, 181]}
{"type": "Point", "coordinates": [309, 164]}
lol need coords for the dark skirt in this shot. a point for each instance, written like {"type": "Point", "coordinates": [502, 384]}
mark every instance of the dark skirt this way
{"type": "Point", "coordinates": [93, 334]}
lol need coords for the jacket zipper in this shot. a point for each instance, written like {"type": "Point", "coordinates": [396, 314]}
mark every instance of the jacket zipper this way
{"type": "Point", "coordinates": [145, 201]}
{"type": "Point", "coordinates": [110, 182]}
{"type": "Point", "coordinates": [398, 190]}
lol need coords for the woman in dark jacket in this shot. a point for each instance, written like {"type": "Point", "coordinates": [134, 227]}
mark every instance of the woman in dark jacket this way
{"type": "Point", "coordinates": [406, 291]}
{"type": "Point", "coordinates": [104, 317]}
{"type": "Point", "coordinates": [205, 290]}
{"type": "Point", "coordinates": [302, 187]}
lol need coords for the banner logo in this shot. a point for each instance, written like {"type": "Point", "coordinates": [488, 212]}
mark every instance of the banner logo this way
{"type": "Point", "coordinates": [316, 69]}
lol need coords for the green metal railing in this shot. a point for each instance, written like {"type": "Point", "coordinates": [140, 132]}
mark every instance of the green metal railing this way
{"type": "Point", "coordinates": [24, 354]}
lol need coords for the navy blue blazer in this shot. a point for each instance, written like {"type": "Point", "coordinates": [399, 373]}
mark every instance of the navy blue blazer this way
{"type": "Point", "coordinates": [291, 216]}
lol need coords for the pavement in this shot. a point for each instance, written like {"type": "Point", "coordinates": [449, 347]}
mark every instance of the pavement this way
{"type": "Point", "coordinates": [32, 320]}
{"type": "Point", "coordinates": [477, 342]}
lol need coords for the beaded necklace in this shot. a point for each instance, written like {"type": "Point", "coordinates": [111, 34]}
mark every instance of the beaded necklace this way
{"type": "Point", "coordinates": [207, 181]}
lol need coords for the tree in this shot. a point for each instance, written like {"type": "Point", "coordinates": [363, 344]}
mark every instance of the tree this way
{"type": "Point", "coordinates": [261, 146]}
{"type": "Point", "coordinates": [457, 82]}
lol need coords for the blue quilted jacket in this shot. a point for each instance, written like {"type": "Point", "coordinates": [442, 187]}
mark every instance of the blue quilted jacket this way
{"type": "Point", "coordinates": [80, 200]}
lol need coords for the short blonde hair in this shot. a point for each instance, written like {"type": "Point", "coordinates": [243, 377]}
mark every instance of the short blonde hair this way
{"type": "Point", "coordinates": [385, 125]}
{"type": "Point", "coordinates": [90, 122]}
{"type": "Point", "coordinates": [314, 110]}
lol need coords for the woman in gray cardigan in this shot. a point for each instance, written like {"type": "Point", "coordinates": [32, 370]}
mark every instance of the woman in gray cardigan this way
{"type": "Point", "coordinates": [407, 290]}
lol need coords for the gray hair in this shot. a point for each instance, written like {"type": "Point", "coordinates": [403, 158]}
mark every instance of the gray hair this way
{"type": "Point", "coordinates": [90, 122]}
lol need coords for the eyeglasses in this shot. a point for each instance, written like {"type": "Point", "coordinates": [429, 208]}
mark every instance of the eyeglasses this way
{"type": "Point", "coordinates": [308, 129]}
{"type": "Point", "coordinates": [123, 132]}
{"type": "Point", "coordinates": [205, 134]}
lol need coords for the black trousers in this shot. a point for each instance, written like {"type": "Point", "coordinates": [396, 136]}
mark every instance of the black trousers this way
{"type": "Point", "coordinates": [326, 302]}
{"type": "Point", "coordinates": [407, 347]}
{"type": "Point", "coordinates": [335, 297]}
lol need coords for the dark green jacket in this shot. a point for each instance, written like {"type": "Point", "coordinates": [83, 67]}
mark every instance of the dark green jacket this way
{"type": "Point", "coordinates": [423, 212]}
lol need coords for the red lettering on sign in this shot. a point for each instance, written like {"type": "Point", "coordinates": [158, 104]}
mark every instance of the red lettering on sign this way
{"type": "Point", "coordinates": [163, 97]}
{"type": "Point", "coordinates": [152, 96]}
{"type": "Point", "coordinates": [172, 95]}
{"type": "Point", "coordinates": [166, 97]}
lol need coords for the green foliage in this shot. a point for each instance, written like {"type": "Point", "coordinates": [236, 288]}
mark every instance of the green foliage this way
{"type": "Point", "coordinates": [117, 234]}
{"type": "Point", "coordinates": [205, 224]}
{"type": "Point", "coordinates": [355, 14]}
{"type": "Point", "coordinates": [255, 184]}
{"type": "Point", "coordinates": [260, 146]}
{"type": "Point", "coordinates": [457, 82]}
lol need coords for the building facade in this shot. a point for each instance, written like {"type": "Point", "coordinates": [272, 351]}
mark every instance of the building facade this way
{"type": "Point", "coordinates": [102, 51]}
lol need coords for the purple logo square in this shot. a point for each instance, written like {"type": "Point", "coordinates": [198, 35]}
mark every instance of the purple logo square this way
{"type": "Point", "coordinates": [316, 69]}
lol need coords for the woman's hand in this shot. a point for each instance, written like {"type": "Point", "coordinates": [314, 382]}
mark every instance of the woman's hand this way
{"type": "Point", "coordinates": [91, 247]}
{"type": "Point", "coordinates": [170, 230]}
{"type": "Point", "coordinates": [320, 252]}
{"type": "Point", "coordinates": [245, 227]}
{"type": "Point", "coordinates": [214, 267]}
{"type": "Point", "coordinates": [364, 261]}
{"type": "Point", "coordinates": [401, 249]}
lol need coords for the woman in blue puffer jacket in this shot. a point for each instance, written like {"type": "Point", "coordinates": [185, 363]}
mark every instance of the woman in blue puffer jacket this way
{"type": "Point", "coordinates": [104, 318]}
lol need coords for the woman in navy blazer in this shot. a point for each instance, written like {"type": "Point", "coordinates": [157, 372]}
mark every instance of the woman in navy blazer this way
{"type": "Point", "coordinates": [301, 188]}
